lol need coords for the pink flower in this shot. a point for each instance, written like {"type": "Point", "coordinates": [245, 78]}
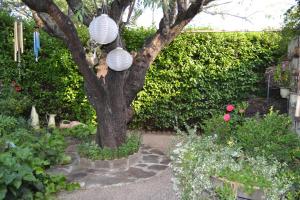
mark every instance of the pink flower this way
{"type": "Point", "coordinates": [230, 108]}
{"type": "Point", "coordinates": [226, 117]}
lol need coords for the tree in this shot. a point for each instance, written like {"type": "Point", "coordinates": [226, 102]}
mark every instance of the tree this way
{"type": "Point", "coordinates": [112, 94]}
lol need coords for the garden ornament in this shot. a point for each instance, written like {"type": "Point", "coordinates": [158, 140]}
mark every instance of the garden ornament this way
{"type": "Point", "coordinates": [18, 40]}
{"type": "Point", "coordinates": [103, 29]}
{"type": "Point", "coordinates": [34, 118]}
{"type": "Point", "coordinates": [51, 120]}
{"type": "Point", "coordinates": [36, 44]}
{"type": "Point", "coordinates": [69, 124]}
{"type": "Point", "coordinates": [119, 59]}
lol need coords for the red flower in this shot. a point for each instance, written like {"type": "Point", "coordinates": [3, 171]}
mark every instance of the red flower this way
{"type": "Point", "coordinates": [226, 117]}
{"type": "Point", "coordinates": [18, 88]}
{"type": "Point", "coordinates": [230, 108]}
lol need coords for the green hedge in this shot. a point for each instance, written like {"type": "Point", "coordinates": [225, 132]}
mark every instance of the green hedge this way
{"type": "Point", "coordinates": [199, 73]}
{"type": "Point", "coordinates": [53, 83]}
{"type": "Point", "coordinates": [192, 78]}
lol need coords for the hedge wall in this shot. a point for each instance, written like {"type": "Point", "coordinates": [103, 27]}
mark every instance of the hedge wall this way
{"type": "Point", "coordinates": [191, 79]}
{"type": "Point", "coordinates": [199, 73]}
{"type": "Point", "coordinates": [53, 83]}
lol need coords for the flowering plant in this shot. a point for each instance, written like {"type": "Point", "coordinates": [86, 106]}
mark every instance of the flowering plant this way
{"type": "Point", "coordinates": [224, 126]}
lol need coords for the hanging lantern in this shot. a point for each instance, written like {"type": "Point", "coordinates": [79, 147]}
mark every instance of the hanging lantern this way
{"type": "Point", "coordinates": [103, 29]}
{"type": "Point", "coordinates": [119, 59]}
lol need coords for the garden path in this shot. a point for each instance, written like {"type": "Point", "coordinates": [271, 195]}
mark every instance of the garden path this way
{"type": "Point", "coordinates": [149, 178]}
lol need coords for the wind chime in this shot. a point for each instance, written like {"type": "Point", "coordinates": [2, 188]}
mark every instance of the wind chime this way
{"type": "Point", "coordinates": [36, 44]}
{"type": "Point", "coordinates": [18, 41]}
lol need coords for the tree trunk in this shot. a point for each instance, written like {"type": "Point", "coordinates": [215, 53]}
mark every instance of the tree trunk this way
{"type": "Point", "coordinates": [111, 112]}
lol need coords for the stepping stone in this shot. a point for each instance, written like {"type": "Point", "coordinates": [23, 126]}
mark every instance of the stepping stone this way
{"type": "Point", "coordinates": [139, 173]}
{"type": "Point", "coordinates": [158, 167]}
{"type": "Point", "coordinates": [94, 181]}
{"type": "Point", "coordinates": [165, 161]}
{"type": "Point", "coordinates": [141, 165]}
{"type": "Point", "coordinates": [151, 158]}
{"type": "Point", "coordinates": [76, 176]}
{"type": "Point", "coordinates": [155, 151]}
{"type": "Point", "coordinates": [145, 152]}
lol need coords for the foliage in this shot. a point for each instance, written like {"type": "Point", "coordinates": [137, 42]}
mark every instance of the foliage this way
{"type": "Point", "coordinates": [24, 157]}
{"type": "Point", "coordinates": [13, 103]}
{"type": "Point", "coordinates": [291, 24]}
{"type": "Point", "coordinates": [196, 160]}
{"type": "Point", "coordinates": [82, 132]}
{"type": "Point", "coordinates": [197, 80]}
{"type": "Point", "coordinates": [270, 136]}
{"type": "Point", "coordinates": [282, 76]}
{"type": "Point", "coordinates": [194, 80]}
{"type": "Point", "coordinates": [217, 126]}
{"type": "Point", "coordinates": [54, 76]}
{"type": "Point", "coordinates": [92, 150]}
{"type": "Point", "coordinates": [135, 38]}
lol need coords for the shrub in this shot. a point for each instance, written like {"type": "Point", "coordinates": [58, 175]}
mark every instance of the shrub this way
{"type": "Point", "coordinates": [13, 103]}
{"type": "Point", "coordinates": [194, 80]}
{"type": "Point", "coordinates": [270, 136]}
{"type": "Point", "coordinates": [55, 76]}
{"type": "Point", "coordinates": [24, 157]}
{"type": "Point", "coordinates": [82, 132]}
{"type": "Point", "coordinates": [196, 160]}
{"type": "Point", "coordinates": [198, 73]}
{"type": "Point", "coordinates": [93, 151]}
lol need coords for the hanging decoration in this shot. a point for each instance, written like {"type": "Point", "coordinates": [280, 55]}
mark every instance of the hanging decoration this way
{"type": "Point", "coordinates": [103, 29]}
{"type": "Point", "coordinates": [119, 59]}
{"type": "Point", "coordinates": [36, 44]}
{"type": "Point", "coordinates": [18, 41]}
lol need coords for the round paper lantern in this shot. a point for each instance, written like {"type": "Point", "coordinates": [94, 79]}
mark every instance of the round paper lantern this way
{"type": "Point", "coordinates": [119, 59]}
{"type": "Point", "coordinates": [103, 29]}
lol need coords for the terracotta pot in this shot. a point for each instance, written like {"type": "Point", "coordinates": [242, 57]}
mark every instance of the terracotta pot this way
{"type": "Point", "coordinates": [284, 92]}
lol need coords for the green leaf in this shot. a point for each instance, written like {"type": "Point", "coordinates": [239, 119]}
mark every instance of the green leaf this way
{"type": "Point", "coordinates": [3, 191]}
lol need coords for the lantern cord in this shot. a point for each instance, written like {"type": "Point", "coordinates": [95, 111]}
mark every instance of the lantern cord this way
{"type": "Point", "coordinates": [104, 7]}
{"type": "Point", "coordinates": [119, 41]}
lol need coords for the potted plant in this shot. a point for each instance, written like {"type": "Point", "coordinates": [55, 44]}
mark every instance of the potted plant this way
{"type": "Point", "coordinates": [282, 77]}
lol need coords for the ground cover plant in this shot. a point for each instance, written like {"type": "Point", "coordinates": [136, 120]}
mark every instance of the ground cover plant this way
{"type": "Point", "coordinates": [197, 160]}
{"type": "Point", "coordinates": [25, 155]}
{"type": "Point", "coordinates": [253, 152]}
{"type": "Point", "coordinates": [91, 149]}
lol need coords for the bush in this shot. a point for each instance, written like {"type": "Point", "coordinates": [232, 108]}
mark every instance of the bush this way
{"type": "Point", "coordinates": [24, 157]}
{"type": "Point", "coordinates": [91, 149]}
{"type": "Point", "coordinates": [198, 73]}
{"type": "Point", "coordinates": [82, 132]}
{"type": "Point", "coordinates": [13, 103]}
{"type": "Point", "coordinates": [55, 76]}
{"type": "Point", "coordinates": [196, 160]}
{"type": "Point", "coordinates": [194, 80]}
{"type": "Point", "coordinates": [270, 136]}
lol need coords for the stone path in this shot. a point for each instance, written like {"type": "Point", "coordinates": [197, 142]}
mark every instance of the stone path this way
{"type": "Point", "coordinates": [145, 174]}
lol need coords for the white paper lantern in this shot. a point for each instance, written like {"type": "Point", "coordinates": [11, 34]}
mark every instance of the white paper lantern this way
{"type": "Point", "coordinates": [119, 59]}
{"type": "Point", "coordinates": [103, 29]}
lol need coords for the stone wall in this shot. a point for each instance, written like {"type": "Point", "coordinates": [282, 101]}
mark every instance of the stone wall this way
{"type": "Point", "coordinates": [294, 97]}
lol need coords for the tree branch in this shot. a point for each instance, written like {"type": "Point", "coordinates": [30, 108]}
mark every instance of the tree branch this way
{"type": "Point", "coordinates": [71, 39]}
{"type": "Point", "coordinates": [44, 21]}
{"type": "Point", "coordinates": [77, 6]}
{"type": "Point", "coordinates": [117, 9]}
{"type": "Point", "coordinates": [144, 58]}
